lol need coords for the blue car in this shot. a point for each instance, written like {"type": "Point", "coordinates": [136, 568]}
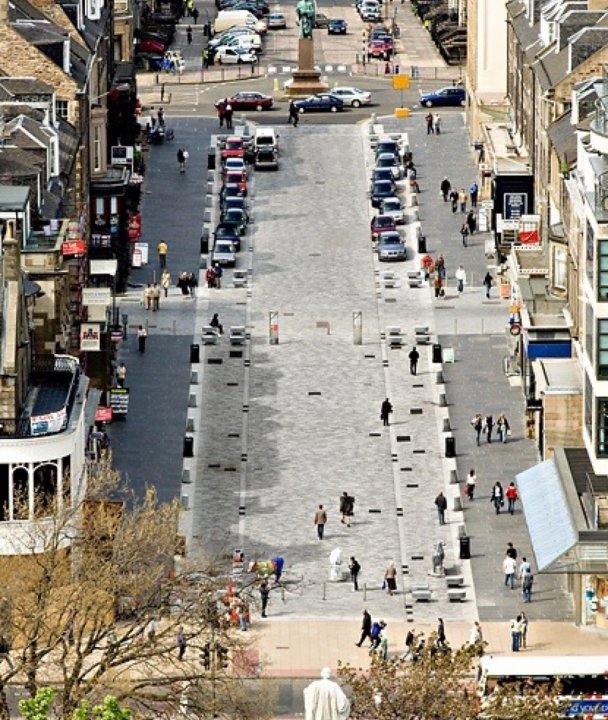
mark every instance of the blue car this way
{"type": "Point", "coordinates": [323, 102]}
{"type": "Point", "coordinates": [336, 27]}
{"type": "Point", "coordinates": [447, 96]}
{"type": "Point", "coordinates": [381, 189]}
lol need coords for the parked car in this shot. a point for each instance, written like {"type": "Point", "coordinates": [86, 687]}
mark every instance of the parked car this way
{"type": "Point", "coordinates": [379, 49]}
{"type": "Point", "coordinates": [322, 102]}
{"type": "Point", "coordinates": [234, 56]}
{"type": "Point", "coordinates": [352, 96]}
{"type": "Point", "coordinates": [337, 26]}
{"type": "Point", "coordinates": [382, 174]}
{"type": "Point", "coordinates": [371, 14]}
{"type": "Point", "coordinates": [151, 46]}
{"type": "Point", "coordinates": [446, 96]}
{"type": "Point", "coordinates": [229, 191]}
{"type": "Point", "coordinates": [236, 164]}
{"type": "Point", "coordinates": [227, 233]}
{"type": "Point", "coordinates": [249, 101]}
{"type": "Point", "coordinates": [380, 224]}
{"type": "Point", "coordinates": [321, 20]}
{"type": "Point", "coordinates": [392, 206]}
{"type": "Point", "coordinates": [276, 21]}
{"type": "Point", "coordinates": [381, 189]}
{"type": "Point", "coordinates": [234, 218]}
{"type": "Point", "coordinates": [390, 246]}
{"type": "Point", "coordinates": [145, 61]}
{"type": "Point", "coordinates": [266, 159]}
{"type": "Point", "coordinates": [223, 253]}
{"type": "Point", "coordinates": [233, 147]}
{"type": "Point", "coordinates": [393, 162]}
{"type": "Point", "coordinates": [236, 202]}
{"type": "Point", "coordinates": [387, 146]}
{"type": "Point", "coordinates": [236, 177]}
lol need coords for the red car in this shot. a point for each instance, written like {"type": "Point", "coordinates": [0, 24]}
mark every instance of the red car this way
{"type": "Point", "coordinates": [236, 177]}
{"type": "Point", "coordinates": [381, 224]}
{"type": "Point", "coordinates": [151, 46]}
{"type": "Point", "coordinates": [379, 48]}
{"type": "Point", "coordinates": [248, 101]}
{"type": "Point", "coordinates": [234, 147]}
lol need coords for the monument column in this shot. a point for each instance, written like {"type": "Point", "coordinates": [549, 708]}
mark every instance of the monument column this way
{"type": "Point", "coordinates": [306, 80]}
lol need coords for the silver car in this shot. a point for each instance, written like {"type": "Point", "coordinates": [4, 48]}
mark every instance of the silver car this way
{"type": "Point", "coordinates": [223, 253]}
{"type": "Point", "coordinates": [392, 206]}
{"type": "Point", "coordinates": [387, 160]}
{"type": "Point", "coordinates": [390, 246]}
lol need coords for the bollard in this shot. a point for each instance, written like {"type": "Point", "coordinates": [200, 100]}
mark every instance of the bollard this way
{"type": "Point", "coordinates": [324, 591]}
{"type": "Point", "coordinates": [364, 592]}
{"type": "Point", "coordinates": [446, 424]}
{"type": "Point", "coordinates": [443, 402]}
{"type": "Point", "coordinates": [453, 477]}
{"type": "Point", "coordinates": [194, 378]}
{"type": "Point", "coordinates": [457, 504]}
{"type": "Point", "coordinates": [186, 476]}
{"type": "Point", "coordinates": [461, 530]}
{"type": "Point", "coordinates": [185, 502]}
{"type": "Point", "coordinates": [192, 400]}
{"type": "Point", "coordinates": [439, 377]}
{"type": "Point", "coordinates": [189, 424]}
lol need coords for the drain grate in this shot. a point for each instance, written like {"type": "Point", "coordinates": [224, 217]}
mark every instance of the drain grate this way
{"type": "Point", "coordinates": [415, 411]}
{"type": "Point", "coordinates": [404, 438]}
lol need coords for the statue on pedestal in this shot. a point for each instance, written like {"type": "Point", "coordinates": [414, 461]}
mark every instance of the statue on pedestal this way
{"type": "Point", "coordinates": [325, 699]}
{"type": "Point", "coordinates": [335, 565]}
{"type": "Point", "coordinates": [306, 13]}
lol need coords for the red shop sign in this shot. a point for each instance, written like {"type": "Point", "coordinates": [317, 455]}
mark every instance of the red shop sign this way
{"type": "Point", "coordinates": [103, 414]}
{"type": "Point", "coordinates": [73, 247]}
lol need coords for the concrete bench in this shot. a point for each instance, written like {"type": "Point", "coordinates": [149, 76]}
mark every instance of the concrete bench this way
{"type": "Point", "coordinates": [237, 335]}
{"type": "Point", "coordinates": [209, 335]}
{"type": "Point", "coordinates": [389, 279]}
{"type": "Point", "coordinates": [423, 339]}
{"type": "Point", "coordinates": [454, 581]}
{"type": "Point", "coordinates": [415, 279]}
{"type": "Point", "coordinates": [394, 341]}
{"type": "Point", "coordinates": [239, 278]}
{"type": "Point", "coordinates": [421, 329]}
{"type": "Point", "coordinates": [421, 595]}
{"type": "Point", "coordinates": [393, 330]}
{"type": "Point", "coordinates": [457, 595]}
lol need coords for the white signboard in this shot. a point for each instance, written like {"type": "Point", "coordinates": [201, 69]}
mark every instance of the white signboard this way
{"type": "Point", "coordinates": [96, 296]}
{"type": "Point", "coordinates": [89, 337]}
{"type": "Point", "coordinates": [122, 155]}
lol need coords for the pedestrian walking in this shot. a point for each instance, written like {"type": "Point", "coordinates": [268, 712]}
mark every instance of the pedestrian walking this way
{"type": "Point", "coordinates": [376, 634]}
{"type": "Point", "coordinates": [354, 568]}
{"type": "Point", "coordinates": [221, 112]}
{"type": "Point", "coordinates": [121, 374]}
{"type": "Point", "coordinates": [526, 587]}
{"type": "Point", "coordinates": [383, 649]}
{"type": "Point", "coordinates": [471, 222]}
{"type": "Point", "coordinates": [155, 297]}
{"type": "Point", "coordinates": [473, 193]}
{"type": "Point", "coordinates": [488, 427]}
{"type": "Point", "coordinates": [366, 627]}
{"type": "Point", "coordinates": [264, 594]}
{"type": "Point", "coordinates": [148, 296]}
{"type": "Point", "coordinates": [488, 281]}
{"type": "Point", "coordinates": [161, 117]}
{"type": "Point", "coordinates": [205, 56]}
{"type": "Point", "coordinates": [385, 411]}
{"type": "Point", "coordinates": [524, 568]}
{"type": "Point", "coordinates": [438, 286]}
{"type": "Point", "coordinates": [192, 284]}
{"type": "Point", "coordinates": [210, 279]}
{"type": "Point", "coordinates": [523, 628]}
{"type": "Point", "coordinates": [165, 281]}
{"type": "Point", "coordinates": [294, 116]}
{"type": "Point", "coordinates": [189, 34]}
{"type": "Point", "coordinates": [182, 159]}
{"type": "Point", "coordinates": [503, 428]}
{"type": "Point", "coordinates": [445, 188]}
{"type": "Point", "coordinates": [181, 644]}
{"type": "Point", "coordinates": [347, 508]}
{"type": "Point", "coordinates": [462, 201]}
{"type": "Point", "coordinates": [515, 629]}
{"type": "Point", "coordinates": [437, 124]}
{"type": "Point", "coordinates": [390, 578]}
{"type": "Point", "coordinates": [461, 278]}
{"type": "Point", "coordinates": [440, 642]}
{"type": "Point", "coordinates": [414, 356]}
{"type": "Point", "coordinates": [142, 336]}
{"type": "Point", "coordinates": [454, 200]}
{"type": "Point", "coordinates": [320, 520]}
{"type": "Point", "coordinates": [511, 551]}
{"type": "Point", "coordinates": [464, 233]}
{"type": "Point", "coordinates": [410, 639]}
{"type": "Point", "coordinates": [497, 497]}
{"type": "Point", "coordinates": [215, 323]}
{"type": "Point", "coordinates": [228, 116]}
{"type": "Point", "coordinates": [428, 118]}
{"type": "Point", "coordinates": [195, 15]}
{"type": "Point", "coordinates": [471, 482]}
{"type": "Point", "coordinates": [509, 566]}
{"type": "Point", "coordinates": [219, 274]}
{"type": "Point", "coordinates": [477, 425]}
{"type": "Point", "coordinates": [442, 505]}
{"type": "Point", "coordinates": [512, 498]}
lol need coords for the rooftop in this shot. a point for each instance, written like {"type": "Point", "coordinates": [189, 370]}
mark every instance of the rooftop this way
{"type": "Point", "coordinates": [13, 197]}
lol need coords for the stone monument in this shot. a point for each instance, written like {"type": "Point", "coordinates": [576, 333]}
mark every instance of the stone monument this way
{"type": "Point", "coordinates": [325, 700]}
{"type": "Point", "coordinates": [306, 80]}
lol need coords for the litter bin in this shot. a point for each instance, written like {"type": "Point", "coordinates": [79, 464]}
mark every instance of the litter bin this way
{"type": "Point", "coordinates": [188, 447]}
{"type": "Point", "coordinates": [465, 547]}
{"type": "Point", "coordinates": [437, 353]}
{"type": "Point", "coordinates": [450, 447]}
{"type": "Point", "coordinates": [205, 244]}
{"type": "Point", "coordinates": [195, 353]}
{"type": "Point", "coordinates": [211, 160]}
{"type": "Point", "coordinates": [422, 245]}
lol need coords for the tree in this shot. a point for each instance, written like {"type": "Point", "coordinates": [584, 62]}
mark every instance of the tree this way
{"type": "Point", "coordinates": [94, 607]}
{"type": "Point", "coordinates": [439, 685]}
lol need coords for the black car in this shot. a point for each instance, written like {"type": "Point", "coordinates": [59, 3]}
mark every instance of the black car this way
{"type": "Point", "coordinates": [381, 189]}
{"type": "Point", "coordinates": [266, 159]}
{"type": "Point", "coordinates": [228, 233]}
{"type": "Point", "coordinates": [236, 202]}
{"type": "Point", "coordinates": [386, 147]}
{"type": "Point", "coordinates": [229, 191]}
{"type": "Point", "coordinates": [382, 174]}
{"type": "Point", "coordinates": [322, 102]}
{"type": "Point", "coordinates": [336, 27]}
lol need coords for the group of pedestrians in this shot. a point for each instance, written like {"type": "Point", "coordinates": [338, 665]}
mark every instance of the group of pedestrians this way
{"type": "Point", "coordinates": [346, 509]}
{"type": "Point", "coordinates": [433, 123]}
{"type": "Point", "coordinates": [224, 114]}
{"type": "Point", "coordinates": [485, 425]}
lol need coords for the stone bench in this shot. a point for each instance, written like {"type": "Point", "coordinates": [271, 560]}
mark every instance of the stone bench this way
{"type": "Point", "coordinates": [389, 279]}
{"type": "Point", "coordinates": [239, 278]}
{"type": "Point", "coordinates": [394, 341]}
{"type": "Point", "coordinates": [454, 581]}
{"type": "Point", "coordinates": [237, 335]}
{"type": "Point", "coordinates": [209, 335]}
{"type": "Point", "coordinates": [457, 595]}
{"type": "Point", "coordinates": [415, 279]}
{"type": "Point", "coordinates": [421, 595]}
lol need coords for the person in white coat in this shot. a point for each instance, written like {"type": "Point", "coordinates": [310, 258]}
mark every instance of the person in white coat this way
{"type": "Point", "coordinates": [461, 278]}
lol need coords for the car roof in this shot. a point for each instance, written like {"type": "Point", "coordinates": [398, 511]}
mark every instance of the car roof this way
{"type": "Point", "coordinates": [390, 235]}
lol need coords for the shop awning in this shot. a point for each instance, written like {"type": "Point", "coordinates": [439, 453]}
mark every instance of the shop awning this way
{"type": "Point", "coordinates": [552, 530]}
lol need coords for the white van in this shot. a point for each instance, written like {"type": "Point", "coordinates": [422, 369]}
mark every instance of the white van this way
{"type": "Point", "coordinates": [264, 138]}
{"type": "Point", "coordinates": [230, 18]}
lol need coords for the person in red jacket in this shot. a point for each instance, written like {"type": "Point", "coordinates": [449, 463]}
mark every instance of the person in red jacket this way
{"type": "Point", "coordinates": [511, 497]}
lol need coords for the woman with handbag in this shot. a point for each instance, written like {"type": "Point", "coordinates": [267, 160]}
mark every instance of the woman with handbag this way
{"type": "Point", "coordinates": [497, 497]}
{"type": "Point", "coordinates": [503, 429]}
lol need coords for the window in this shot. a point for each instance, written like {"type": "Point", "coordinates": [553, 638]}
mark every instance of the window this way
{"type": "Point", "coordinates": [62, 109]}
{"type": "Point", "coordinates": [97, 149]}
{"type": "Point", "coordinates": [590, 238]}
{"type": "Point", "coordinates": [588, 408]}
{"type": "Point", "coordinates": [602, 271]}
{"type": "Point", "coordinates": [602, 349]}
{"type": "Point", "coordinates": [589, 332]}
{"type": "Point", "coordinates": [602, 427]}
{"type": "Point", "coordinates": [21, 494]}
{"type": "Point", "coordinates": [45, 489]}
{"type": "Point", "coordinates": [560, 267]}
{"type": "Point", "coordinates": [4, 493]}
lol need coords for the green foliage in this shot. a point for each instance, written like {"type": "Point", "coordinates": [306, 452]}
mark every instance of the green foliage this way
{"type": "Point", "coordinates": [109, 709]}
{"type": "Point", "coordinates": [38, 707]}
